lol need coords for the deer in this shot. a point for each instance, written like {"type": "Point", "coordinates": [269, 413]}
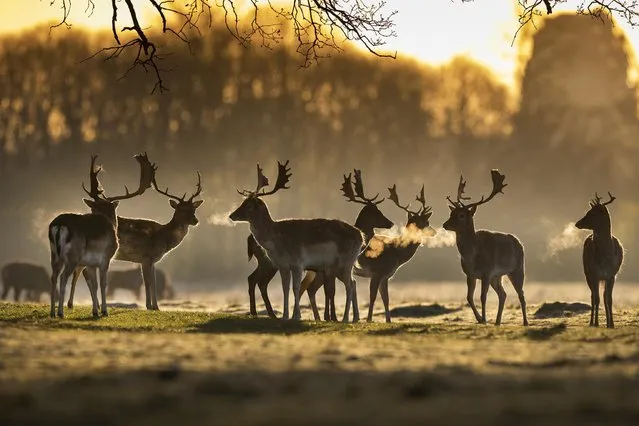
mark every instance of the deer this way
{"type": "Point", "coordinates": [146, 242]}
{"type": "Point", "coordinates": [131, 280]}
{"type": "Point", "coordinates": [602, 257]}
{"type": "Point", "coordinates": [486, 255]}
{"type": "Point", "coordinates": [369, 218]}
{"type": "Point", "coordinates": [384, 255]}
{"type": "Point", "coordinates": [87, 242]}
{"type": "Point", "coordinates": [25, 276]}
{"type": "Point", "coordinates": [295, 245]}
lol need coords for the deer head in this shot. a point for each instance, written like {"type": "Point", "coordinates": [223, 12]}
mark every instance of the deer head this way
{"type": "Point", "coordinates": [598, 217]}
{"type": "Point", "coordinates": [370, 217]}
{"type": "Point", "coordinates": [252, 208]}
{"type": "Point", "coordinates": [184, 207]}
{"type": "Point", "coordinates": [418, 218]}
{"type": "Point", "coordinates": [461, 214]}
{"type": "Point", "coordinates": [106, 205]}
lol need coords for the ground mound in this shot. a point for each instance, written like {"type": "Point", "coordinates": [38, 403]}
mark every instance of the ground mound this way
{"type": "Point", "coordinates": [421, 311]}
{"type": "Point", "coordinates": [561, 310]}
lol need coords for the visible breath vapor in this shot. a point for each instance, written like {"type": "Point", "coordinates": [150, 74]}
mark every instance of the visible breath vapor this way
{"type": "Point", "coordinates": [569, 237]}
{"type": "Point", "coordinates": [403, 236]}
{"type": "Point", "coordinates": [221, 219]}
{"type": "Point", "coordinates": [40, 220]}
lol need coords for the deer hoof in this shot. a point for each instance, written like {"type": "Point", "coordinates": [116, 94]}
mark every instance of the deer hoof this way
{"type": "Point", "coordinates": [70, 305]}
{"type": "Point", "coordinates": [60, 314]}
{"type": "Point", "coordinates": [105, 314]}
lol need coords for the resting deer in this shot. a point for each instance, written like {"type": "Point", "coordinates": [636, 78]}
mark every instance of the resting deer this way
{"type": "Point", "coordinates": [369, 218]}
{"type": "Point", "coordinates": [385, 255]}
{"type": "Point", "coordinates": [86, 242]}
{"type": "Point", "coordinates": [295, 245]}
{"type": "Point", "coordinates": [146, 242]}
{"type": "Point", "coordinates": [486, 255]}
{"type": "Point", "coordinates": [28, 277]}
{"type": "Point", "coordinates": [602, 257]}
{"type": "Point", "coordinates": [131, 280]}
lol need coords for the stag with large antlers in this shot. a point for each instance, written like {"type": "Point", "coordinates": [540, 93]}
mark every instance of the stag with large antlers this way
{"type": "Point", "coordinates": [146, 242]}
{"type": "Point", "coordinates": [602, 257]}
{"type": "Point", "coordinates": [86, 242]}
{"type": "Point", "coordinates": [384, 255]}
{"type": "Point", "coordinates": [369, 218]}
{"type": "Point", "coordinates": [295, 245]}
{"type": "Point", "coordinates": [486, 255]}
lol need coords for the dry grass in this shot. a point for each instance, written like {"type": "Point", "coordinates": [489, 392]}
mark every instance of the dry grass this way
{"type": "Point", "coordinates": [139, 367]}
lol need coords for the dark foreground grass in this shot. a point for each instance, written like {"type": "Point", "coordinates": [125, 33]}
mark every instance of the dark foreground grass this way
{"type": "Point", "coordinates": [162, 368]}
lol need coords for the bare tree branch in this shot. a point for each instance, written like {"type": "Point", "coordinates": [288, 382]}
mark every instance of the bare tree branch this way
{"type": "Point", "coordinates": [319, 26]}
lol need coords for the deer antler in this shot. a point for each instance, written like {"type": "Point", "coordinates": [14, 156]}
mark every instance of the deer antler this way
{"type": "Point", "coordinates": [198, 191]}
{"type": "Point", "coordinates": [96, 189]}
{"type": "Point", "coordinates": [422, 200]}
{"type": "Point", "coordinates": [147, 176]}
{"type": "Point", "coordinates": [347, 189]}
{"type": "Point", "coordinates": [359, 189]}
{"type": "Point", "coordinates": [283, 176]}
{"type": "Point", "coordinates": [597, 200]}
{"type": "Point", "coordinates": [198, 188]}
{"type": "Point", "coordinates": [498, 187]}
{"type": "Point", "coordinates": [460, 194]}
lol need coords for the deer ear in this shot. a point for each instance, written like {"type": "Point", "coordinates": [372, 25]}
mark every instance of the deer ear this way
{"type": "Point", "coordinates": [173, 204]}
{"type": "Point", "coordinates": [115, 203]}
{"type": "Point", "coordinates": [197, 203]}
{"type": "Point", "coordinates": [472, 210]}
{"type": "Point", "coordinates": [90, 203]}
{"type": "Point", "coordinates": [451, 207]}
{"type": "Point", "coordinates": [428, 215]}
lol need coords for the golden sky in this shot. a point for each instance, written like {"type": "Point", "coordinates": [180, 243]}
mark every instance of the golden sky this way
{"type": "Point", "coordinates": [432, 30]}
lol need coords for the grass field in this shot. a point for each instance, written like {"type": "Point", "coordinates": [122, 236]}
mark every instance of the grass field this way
{"type": "Point", "coordinates": [436, 367]}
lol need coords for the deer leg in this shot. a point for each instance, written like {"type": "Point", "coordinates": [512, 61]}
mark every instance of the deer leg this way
{"type": "Point", "coordinates": [354, 300]}
{"type": "Point", "coordinates": [496, 284]}
{"type": "Point", "coordinates": [517, 280]}
{"type": "Point", "coordinates": [252, 281]}
{"type": "Point", "coordinates": [90, 277]}
{"type": "Point", "coordinates": [66, 274]}
{"type": "Point", "coordinates": [148, 273]}
{"type": "Point", "coordinates": [609, 285]}
{"type": "Point", "coordinates": [55, 273]}
{"type": "Point", "coordinates": [263, 286]}
{"type": "Point", "coordinates": [348, 284]}
{"type": "Point", "coordinates": [103, 288]}
{"type": "Point", "coordinates": [329, 300]}
{"type": "Point", "coordinates": [16, 293]}
{"type": "Point", "coordinates": [74, 281]}
{"type": "Point", "coordinates": [5, 291]}
{"type": "Point", "coordinates": [285, 275]}
{"type": "Point", "coordinates": [374, 288]}
{"type": "Point", "coordinates": [312, 291]}
{"type": "Point", "coordinates": [471, 283]}
{"type": "Point", "coordinates": [296, 275]}
{"type": "Point", "coordinates": [594, 298]}
{"type": "Point", "coordinates": [383, 291]}
{"type": "Point", "coordinates": [485, 283]}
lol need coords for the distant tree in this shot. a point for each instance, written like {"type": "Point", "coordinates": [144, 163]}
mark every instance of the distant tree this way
{"type": "Point", "coordinates": [319, 26]}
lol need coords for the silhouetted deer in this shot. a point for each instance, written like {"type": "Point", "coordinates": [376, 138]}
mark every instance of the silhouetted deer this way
{"type": "Point", "coordinates": [131, 280]}
{"type": "Point", "coordinates": [602, 257]}
{"type": "Point", "coordinates": [146, 242]}
{"type": "Point", "coordinates": [25, 277]}
{"type": "Point", "coordinates": [369, 218]}
{"type": "Point", "coordinates": [295, 245]}
{"type": "Point", "coordinates": [486, 255]}
{"type": "Point", "coordinates": [385, 255]}
{"type": "Point", "coordinates": [86, 242]}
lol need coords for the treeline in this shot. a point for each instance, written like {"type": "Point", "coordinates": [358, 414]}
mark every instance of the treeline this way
{"type": "Point", "coordinates": [229, 107]}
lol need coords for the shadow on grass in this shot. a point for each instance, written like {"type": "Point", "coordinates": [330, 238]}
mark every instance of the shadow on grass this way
{"type": "Point", "coordinates": [421, 311]}
{"type": "Point", "coordinates": [545, 333]}
{"type": "Point", "coordinates": [248, 324]}
{"type": "Point", "coordinates": [170, 394]}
